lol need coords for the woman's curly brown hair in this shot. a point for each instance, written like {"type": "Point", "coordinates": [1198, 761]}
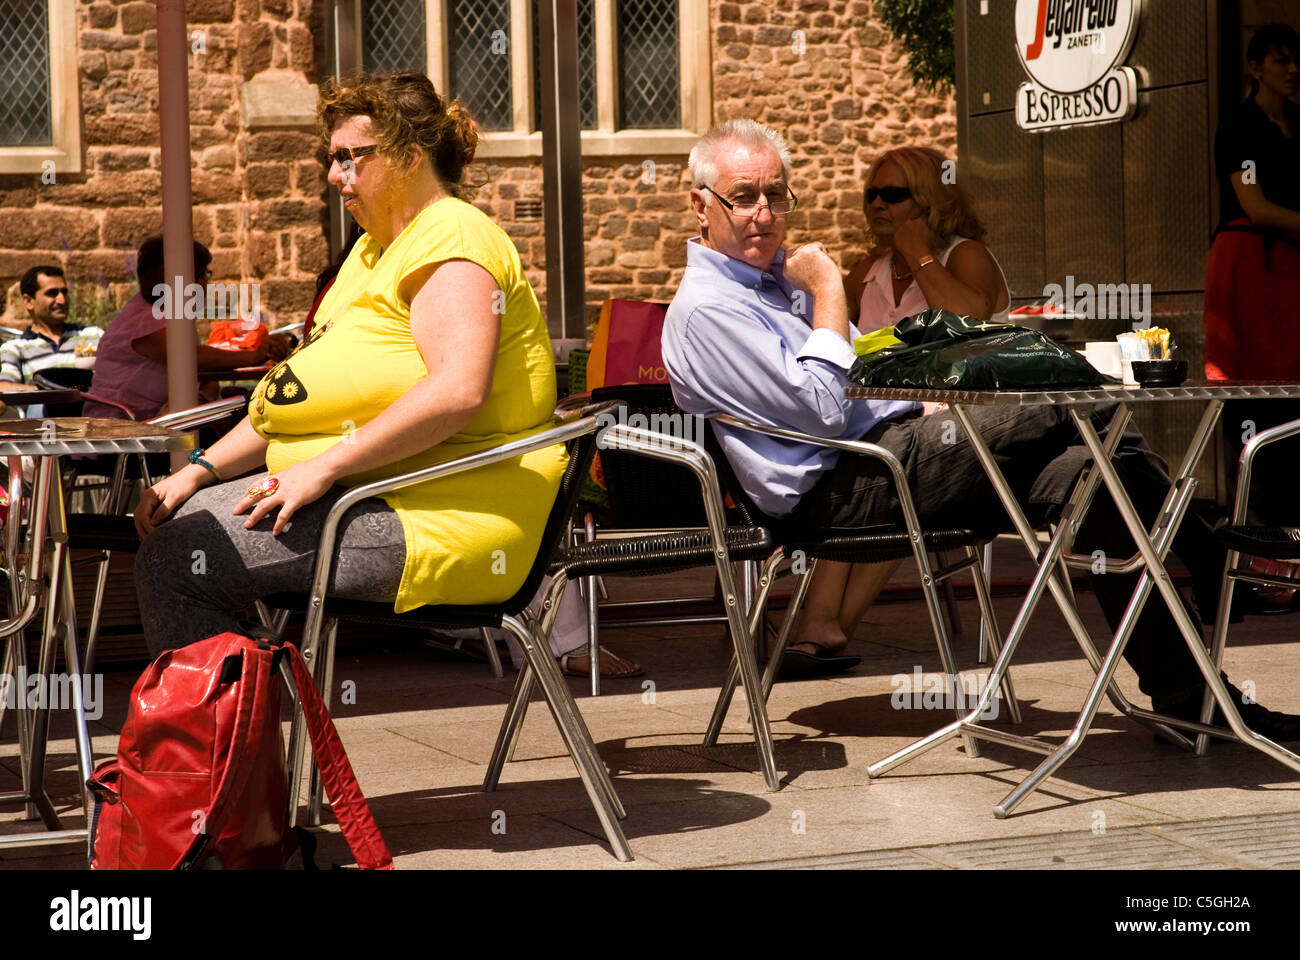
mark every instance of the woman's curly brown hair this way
{"type": "Point", "coordinates": [405, 111]}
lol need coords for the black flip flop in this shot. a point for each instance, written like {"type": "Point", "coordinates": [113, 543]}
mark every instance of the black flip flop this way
{"type": "Point", "coordinates": [797, 665]}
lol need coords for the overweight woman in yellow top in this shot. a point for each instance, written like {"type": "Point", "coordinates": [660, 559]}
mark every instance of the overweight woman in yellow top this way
{"type": "Point", "coordinates": [429, 346]}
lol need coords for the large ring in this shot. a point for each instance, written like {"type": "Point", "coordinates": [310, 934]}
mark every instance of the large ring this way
{"type": "Point", "coordinates": [263, 488]}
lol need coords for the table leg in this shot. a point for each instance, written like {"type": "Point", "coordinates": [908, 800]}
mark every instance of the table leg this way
{"type": "Point", "coordinates": [20, 586]}
{"type": "Point", "coordinates": [63, 597]}
{"type": "Point", "coordinates": [1046, 578]}
{"type": "Point", "coordinates": [1169, 593]}
{"type": "Point", "coordinates": [59, 623]}
{"type": "Point", "coordinates": [1166, 526]}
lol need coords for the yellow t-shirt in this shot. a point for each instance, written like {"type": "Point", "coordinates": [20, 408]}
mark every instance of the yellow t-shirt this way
{"type": "Point", "coordinates": [470, 537]}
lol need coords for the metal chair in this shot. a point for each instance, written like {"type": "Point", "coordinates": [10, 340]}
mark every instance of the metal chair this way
{"type": "Point", "coordinates": [873, 544]}
{"type": "Point", "coordinates": [512, 614]}
{"type": "Point", "coordinates": [647, 497]}
{"type": "Point", "coordinates": [718, 545]}
{"type": "Point", "coordinates": [1240, 537]}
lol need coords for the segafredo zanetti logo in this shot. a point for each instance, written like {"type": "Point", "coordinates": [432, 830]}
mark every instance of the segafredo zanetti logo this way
{"type": "Point", "coordinates": [1073, 51]}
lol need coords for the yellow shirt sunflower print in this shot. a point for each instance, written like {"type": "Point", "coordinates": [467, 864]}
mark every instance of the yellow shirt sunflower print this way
{"type": "Point", "coordinates": [470, 537]}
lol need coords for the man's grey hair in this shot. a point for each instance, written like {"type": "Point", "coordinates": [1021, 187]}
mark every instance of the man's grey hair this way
{"type": "Point", "coordinates": [750, 133]}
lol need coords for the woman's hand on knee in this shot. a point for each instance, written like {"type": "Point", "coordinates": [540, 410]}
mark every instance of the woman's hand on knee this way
{"type": "Point", "coordinates": [294, 487]}
{"type": "Point", "coordinates": [160, 501]}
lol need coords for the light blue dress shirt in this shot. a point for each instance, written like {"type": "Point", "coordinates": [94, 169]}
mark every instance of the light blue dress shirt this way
{"type": "Point", "coordinates": [738, 340]}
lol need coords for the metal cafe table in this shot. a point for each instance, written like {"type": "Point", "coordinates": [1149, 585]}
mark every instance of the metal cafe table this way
{"type": "Point", "coordinates": [38, 568]}
{"type": "Point", "coordinates": [1153, 546]}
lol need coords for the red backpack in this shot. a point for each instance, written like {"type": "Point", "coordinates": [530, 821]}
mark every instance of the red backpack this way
{"type": "Point", "coordinates": [199, 779]}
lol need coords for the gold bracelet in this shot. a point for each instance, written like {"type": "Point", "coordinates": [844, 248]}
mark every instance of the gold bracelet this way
{"type": "Point", "coordinates": [924, 262]}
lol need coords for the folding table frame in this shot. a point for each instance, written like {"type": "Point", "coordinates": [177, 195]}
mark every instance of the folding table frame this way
{"type": "Point", "coordinates": [1152, 548]}
{"type": "Point", "coordinates": [46, 575]}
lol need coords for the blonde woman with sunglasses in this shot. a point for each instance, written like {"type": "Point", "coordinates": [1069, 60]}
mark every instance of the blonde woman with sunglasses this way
{"type": "Point", "coordinates": [927, 247]}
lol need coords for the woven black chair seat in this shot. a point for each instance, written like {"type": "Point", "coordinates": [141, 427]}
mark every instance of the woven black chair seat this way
{"type": "Point", "coordinates": [877, 545]}
{"type": "Point", "coordinates": [97, 531]}
{"type": "Point", "coordinates": [1275, 543]}
{"type": "Point", "coordinates": [663, 553]}
{"type": "Point", "coordinates": [381, 614]}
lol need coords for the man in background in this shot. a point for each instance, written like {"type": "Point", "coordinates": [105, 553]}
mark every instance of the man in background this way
{"type": "Point", "coordinates": [49, 341]}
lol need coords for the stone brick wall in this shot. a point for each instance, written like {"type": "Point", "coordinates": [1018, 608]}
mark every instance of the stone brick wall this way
{"type": "Point", "coordinates": [826, 74]}
{"type": "Point", "coordinates": [257, 195]}
{"type": "Point", "coordinates": [838, 90]}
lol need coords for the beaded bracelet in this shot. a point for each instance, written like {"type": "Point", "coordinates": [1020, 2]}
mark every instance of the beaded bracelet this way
{"type": "Point", "coordinates": [196, 456]}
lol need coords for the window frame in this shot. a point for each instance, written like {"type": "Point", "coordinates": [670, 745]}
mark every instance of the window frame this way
{"type": "Point", "coordinates": [65, 102]}
{"type": "Point", "coordinates": [605, 140]}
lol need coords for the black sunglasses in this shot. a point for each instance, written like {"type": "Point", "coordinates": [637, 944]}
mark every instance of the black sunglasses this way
{"type": "Point", "coordinates": [888, 194]}
{"type": "Point", "coordinates": [345, 155]}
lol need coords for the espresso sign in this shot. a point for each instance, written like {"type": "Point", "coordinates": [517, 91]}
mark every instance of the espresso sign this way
{"type": "Point", "coordinates": [1072, 51]}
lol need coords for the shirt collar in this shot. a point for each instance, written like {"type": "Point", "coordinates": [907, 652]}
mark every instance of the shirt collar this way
{"type": "Point", "coordinates": [68, 330]}
{"type": "Point", "coordinates": [751, 277]}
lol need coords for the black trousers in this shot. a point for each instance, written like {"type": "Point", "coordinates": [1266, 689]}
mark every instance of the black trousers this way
{"type": "Point", "coordinates": [1040, 452]}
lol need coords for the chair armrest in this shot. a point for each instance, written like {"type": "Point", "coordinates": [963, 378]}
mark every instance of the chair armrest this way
{"type": "Point", "coordinates": [589, 423]}
{"type": "Point", "coordinates": [130, 414]}
{"type": "Point", "coordinates": [198, 416]}
{"type": "Point", "coordinates": [859, 447]}
{"type": "Point", "coordinates": [574, 402]}
{"type": "Point", "coordinates": [1247, 460]}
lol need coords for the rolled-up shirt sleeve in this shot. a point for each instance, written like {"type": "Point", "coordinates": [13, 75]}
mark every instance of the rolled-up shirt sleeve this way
{"type": "Point", "coordinates": [752, 372]}
{"type": "Point", "coordinates": [11, 370]}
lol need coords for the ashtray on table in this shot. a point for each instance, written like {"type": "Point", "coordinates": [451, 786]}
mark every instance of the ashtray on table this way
{"type": "Point", "coordinates": [1159, 373]}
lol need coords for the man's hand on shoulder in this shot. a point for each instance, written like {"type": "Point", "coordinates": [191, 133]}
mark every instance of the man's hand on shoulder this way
{"type": "Point", "coordinates": [811, 268]}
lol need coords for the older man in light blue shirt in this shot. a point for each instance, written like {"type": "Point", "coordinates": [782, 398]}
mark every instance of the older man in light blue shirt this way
{"type": "Point", "coordinates": [766, 337]}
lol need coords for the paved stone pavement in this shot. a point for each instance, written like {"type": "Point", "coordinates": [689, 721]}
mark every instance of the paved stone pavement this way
{"type": "Point", "coordinates": [423, 724]}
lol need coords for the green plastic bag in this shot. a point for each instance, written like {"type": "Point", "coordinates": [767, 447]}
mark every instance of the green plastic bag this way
{"type": "Point", "coordinates": [943, 351]}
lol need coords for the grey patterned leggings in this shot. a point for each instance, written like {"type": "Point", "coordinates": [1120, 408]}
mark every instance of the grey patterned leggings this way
{"type": "Point", "coordinates": [197, 572]}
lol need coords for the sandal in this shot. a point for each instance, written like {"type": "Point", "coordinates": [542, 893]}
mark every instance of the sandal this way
{"type": "Point", "coordinates": [612, 666]}
{"type": "Point", "coordinates": [798, 665]}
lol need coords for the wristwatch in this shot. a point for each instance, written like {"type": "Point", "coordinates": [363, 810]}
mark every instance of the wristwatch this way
{"type": "Point", "coordinates": [924, 262]}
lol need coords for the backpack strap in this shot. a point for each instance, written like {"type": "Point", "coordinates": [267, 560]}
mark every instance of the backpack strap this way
{"type": "Point", "coordinates": [345, 796]}
{"type": "Point", "coordinates": [244, 748]}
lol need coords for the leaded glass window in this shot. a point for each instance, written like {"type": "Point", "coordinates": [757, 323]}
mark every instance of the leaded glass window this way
{"type": "Point", "coordinates": [649, 65]}
{"type": "Point", "coordinates": [25, 74]}
{"type": "Point", "coordinates": [392, 35]}
{"type": "Point", "coordinates": [478, 35]}
{"type": "Point", "coordinates": [586, 65]}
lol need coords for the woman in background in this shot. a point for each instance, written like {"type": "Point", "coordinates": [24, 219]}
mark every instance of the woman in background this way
{"type": "Point", "coordinates": [1252, 277]}
{"type": "Point", "coordinates": [926, 252]}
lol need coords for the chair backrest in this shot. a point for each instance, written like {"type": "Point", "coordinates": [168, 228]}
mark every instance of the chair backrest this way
{"type": "Point", "coordinates": [581, 451]}
{"type": "Point", "coordinates": [64, 378]}
{"type": "Point", "coordinates": [645, 493]}
{"type": "Point", "coordinates": [745, 510]}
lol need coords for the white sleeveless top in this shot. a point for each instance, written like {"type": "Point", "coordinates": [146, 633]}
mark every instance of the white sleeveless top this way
{"type": "Point", "coordinates": [877, 308]}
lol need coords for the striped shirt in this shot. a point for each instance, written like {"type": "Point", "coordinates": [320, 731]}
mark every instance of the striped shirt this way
{"type": "Point", "coordinates": [29, 353]}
